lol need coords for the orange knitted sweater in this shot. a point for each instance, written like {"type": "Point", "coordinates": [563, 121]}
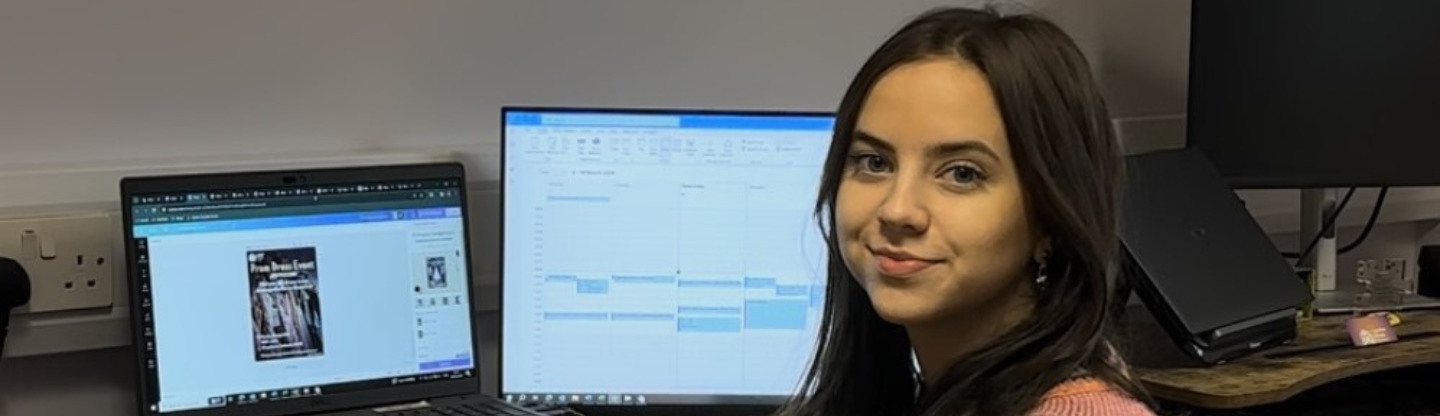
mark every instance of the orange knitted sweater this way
{"type": "Point", "coordinates": [1089, 397]}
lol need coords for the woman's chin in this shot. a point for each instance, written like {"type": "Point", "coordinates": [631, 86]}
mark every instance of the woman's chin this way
{"type": "Point", "coordinates": [900, 306]}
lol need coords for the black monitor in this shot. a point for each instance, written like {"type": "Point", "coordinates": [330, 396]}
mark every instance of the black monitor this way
{"type": "Point", "coordinates": [1316, 93]}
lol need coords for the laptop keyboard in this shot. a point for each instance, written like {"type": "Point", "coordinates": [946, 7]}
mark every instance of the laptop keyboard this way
{"type": "Point", "coordinates": [481, 408]}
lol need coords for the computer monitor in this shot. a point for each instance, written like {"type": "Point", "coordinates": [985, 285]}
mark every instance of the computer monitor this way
{"type": "Point", "coordinates": [660, 257]}
{"type": "Point", "coordinates": [294, 292]}
{"type": "Point", "coordinates": [1316, 93]}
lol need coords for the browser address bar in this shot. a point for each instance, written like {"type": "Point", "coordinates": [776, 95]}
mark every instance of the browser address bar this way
{"type": "Point", "coordinates": [215, 207]}
{"type": "Point", "coordinates": [609, 120]}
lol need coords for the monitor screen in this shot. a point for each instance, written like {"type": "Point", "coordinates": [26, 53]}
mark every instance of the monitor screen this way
{"type": "Point", "coordinates": [264, 295]}
{"type": "Point", "coordinates": [1316, 93]}
{"type": "Point", "coordinates": [660, 257]}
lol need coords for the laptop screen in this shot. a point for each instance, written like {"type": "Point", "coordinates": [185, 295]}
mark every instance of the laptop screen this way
{"type": "Point", "coordinates": [262, 295]}
{"type": "Point", "coordinates": [660, 257]}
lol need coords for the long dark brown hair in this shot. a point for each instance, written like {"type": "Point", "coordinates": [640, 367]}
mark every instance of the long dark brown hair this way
{"type": "Point", "coordinates": [1071, 168]}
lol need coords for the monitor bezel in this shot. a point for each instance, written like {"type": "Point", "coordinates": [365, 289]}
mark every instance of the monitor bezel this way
{"type": "Point", "coordinates": [300, 178]}
{"type": "Point", "coordinates": [728, 404]}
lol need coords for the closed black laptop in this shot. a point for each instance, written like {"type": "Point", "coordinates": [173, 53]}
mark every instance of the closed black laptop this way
{"type": "Point", "coordinates": [1201, 263]}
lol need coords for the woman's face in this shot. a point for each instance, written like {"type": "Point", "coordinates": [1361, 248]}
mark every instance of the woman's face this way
{"type": "Point", "coordinates": [929, 211]}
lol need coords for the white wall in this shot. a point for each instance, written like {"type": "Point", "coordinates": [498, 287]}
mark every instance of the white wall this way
{"type": "Point", "coordinates": [84, 80]}
{"type": "Point", "coordinates": [1145, 50]}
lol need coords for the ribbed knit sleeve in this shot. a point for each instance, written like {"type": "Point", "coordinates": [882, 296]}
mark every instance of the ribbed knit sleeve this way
{"type": "Point", "coordinates": [1089, 397]}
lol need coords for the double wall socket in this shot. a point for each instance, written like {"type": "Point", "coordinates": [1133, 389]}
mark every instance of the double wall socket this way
{"type": "Point", "coordinates": [69, 259]}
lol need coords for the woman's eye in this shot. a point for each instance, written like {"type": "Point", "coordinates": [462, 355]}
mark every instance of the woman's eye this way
{"type": "Point", "coordinates": [870, 163]}
{"type": "Point", "coordinates": [967, 176]}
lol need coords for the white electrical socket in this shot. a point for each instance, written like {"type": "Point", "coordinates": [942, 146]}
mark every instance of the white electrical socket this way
{"type": "Point", "coordinates": [68, 259]}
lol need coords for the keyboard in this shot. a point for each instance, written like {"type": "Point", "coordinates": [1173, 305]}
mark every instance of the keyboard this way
{"type": "Point", "coordinates": [476, 408]}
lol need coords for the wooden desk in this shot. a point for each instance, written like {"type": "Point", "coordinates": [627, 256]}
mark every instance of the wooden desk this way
{"type": "Point", "coordinates": [1263, 378]}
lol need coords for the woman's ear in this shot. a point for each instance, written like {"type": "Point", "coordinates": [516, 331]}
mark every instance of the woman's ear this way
{"type": "Point", "coordinates": [1042, 250]}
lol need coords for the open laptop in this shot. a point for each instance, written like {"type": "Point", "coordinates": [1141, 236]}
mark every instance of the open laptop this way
{"type": "Point", "coordinates": [325, 291]}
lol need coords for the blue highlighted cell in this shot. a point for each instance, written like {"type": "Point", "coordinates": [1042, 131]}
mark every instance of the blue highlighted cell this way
{"type": "Point", "coordinates": [759, 282]}
{"type": "Point", "coordinates": [577, 316]}
{"type": "Point", "coordinates": [560, 278]}
{"type": "Point", "coordinates": [424, 213]}
{"type": "Point", "coordinates": [817, 296]}
{"type": "Point", "coordinates": [792, 290]}
{"type": "Point", "coordinates": [444, 364]}
{"type": "Point", "coordinates": [708, 310]}
{"type": "Point", "coordinates": [659, 280]}
{"type": "Point", "coordinates": [776, 314]}
{"type": "Point", "coordinates": [592, 286]}
{"type": "Point", "coordinates": [710, 284]}
{"type": "Point", "coordinates": [642, 317]}
{"type": "Point", "coordinates": [707, 325]}
{"type": "Point", "coordinates": [578, 198]}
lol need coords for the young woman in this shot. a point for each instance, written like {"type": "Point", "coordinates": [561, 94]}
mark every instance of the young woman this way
{"type": "Point", "coordinates": [970, 202]}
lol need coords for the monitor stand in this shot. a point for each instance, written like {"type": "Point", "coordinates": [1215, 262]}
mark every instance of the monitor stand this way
{"type": "Point", "coordinates": [1315, 206]}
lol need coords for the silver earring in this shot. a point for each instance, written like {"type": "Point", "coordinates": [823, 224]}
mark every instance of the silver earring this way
{"type": "Point", "coordinates": [1041, 275]}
